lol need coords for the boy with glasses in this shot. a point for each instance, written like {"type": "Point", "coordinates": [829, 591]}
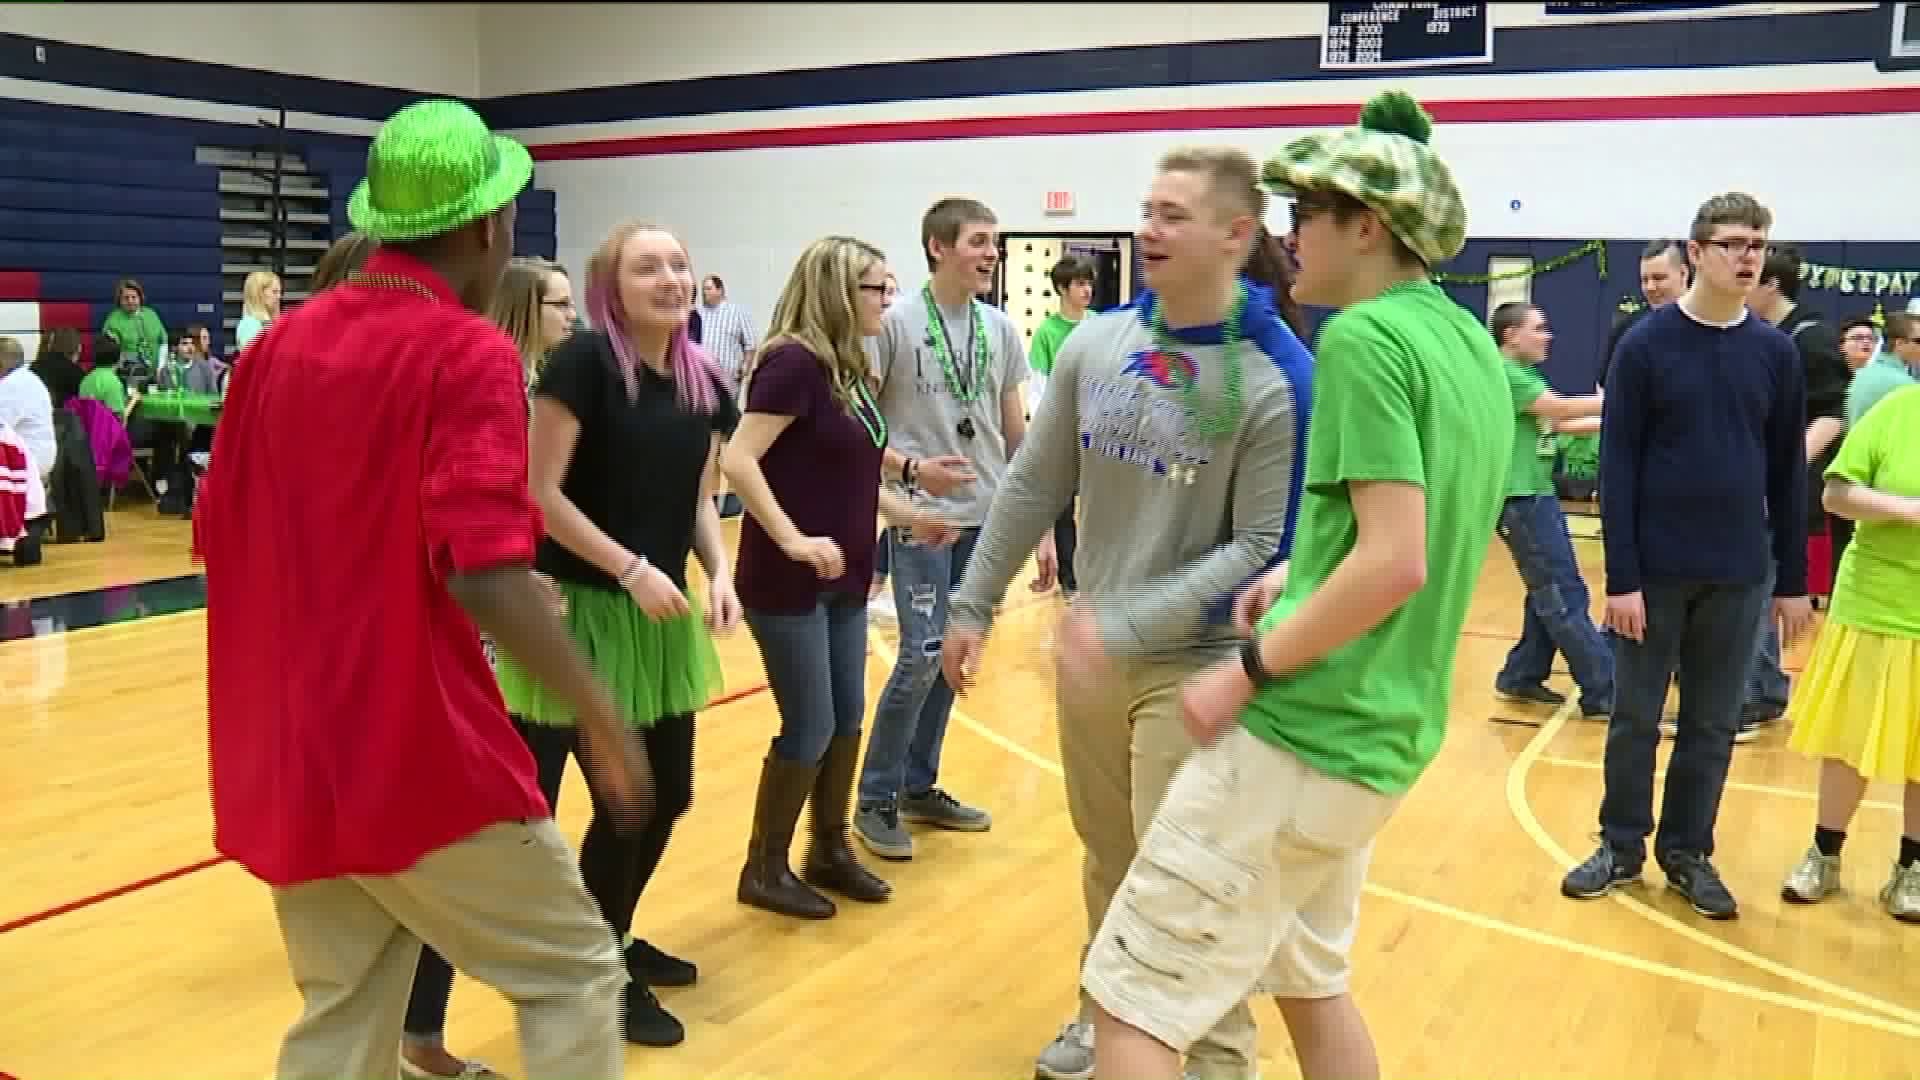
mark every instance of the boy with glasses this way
{"type": "Point", "coordinates": [1705, 531]}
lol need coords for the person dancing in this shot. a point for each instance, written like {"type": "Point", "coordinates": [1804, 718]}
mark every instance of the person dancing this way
{"type": "Point", "coordinates": [361, 761]}
{"type": "Point", "coordinates": [633, 391]}
{"type": "Point", "coordinates": [1856, 708]}
{"type": "Point", "coordinates": [807, 462]}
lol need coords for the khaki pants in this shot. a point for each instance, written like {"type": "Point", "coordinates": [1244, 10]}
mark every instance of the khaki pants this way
{"type": "Point", "coordinates": [1120, 744]}
{"type": "Point", "coordinates": [506, 906]}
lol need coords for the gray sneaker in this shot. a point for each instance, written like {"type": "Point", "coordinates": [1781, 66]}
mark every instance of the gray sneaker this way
{"type": "Point", "coordinates": [941, 810]}
{"type": "Point", "coordinates": [1069, 1056]}
{"type": "Point", "coordinates": [1901, 897]}
{"type": "Point", "coordinates": [879, 829]}
{"type": "Point", "coordinates": [1816, 878]}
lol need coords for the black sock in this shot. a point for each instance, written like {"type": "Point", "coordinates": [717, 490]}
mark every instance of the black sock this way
{"type": "Point", "coordinates": [1909, 850]}
{"type": "Point", "coordinates": [1828, 840]}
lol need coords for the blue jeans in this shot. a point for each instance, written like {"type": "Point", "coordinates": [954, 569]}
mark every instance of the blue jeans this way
{"type": "Point", "coordinates": [1558, 616]}
{"type": "Point", "coordinates": [910, 723]}
{"type": "Point", "coordinates": [817, 668]}
{"type": "Point", "coordinates": [1767, 685]}
{"type": "Point", "coordinates": [1709, 633]}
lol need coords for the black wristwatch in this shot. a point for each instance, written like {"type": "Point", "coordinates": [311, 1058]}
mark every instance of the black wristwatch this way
{"type": "Point", "coordinates": [1253, 664]}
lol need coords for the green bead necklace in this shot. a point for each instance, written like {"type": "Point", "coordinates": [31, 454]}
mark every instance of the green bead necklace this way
{"type": "Point", "coordinates": [877, 426]}
{"type": "Point", "coordinates": [976, 335]}
{"type": "Point", "coordinates": [1209, 424]}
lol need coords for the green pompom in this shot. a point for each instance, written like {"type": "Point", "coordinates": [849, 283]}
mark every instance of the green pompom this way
{"type": "Point", "coordinates": [1396, 112]}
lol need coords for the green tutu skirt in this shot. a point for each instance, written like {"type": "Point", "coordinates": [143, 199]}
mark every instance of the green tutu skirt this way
{"type": "Point", "coordinates": [653, 669]}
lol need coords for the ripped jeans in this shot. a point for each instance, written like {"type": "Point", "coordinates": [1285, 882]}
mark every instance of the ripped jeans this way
{"type": "Point", "coordinates": [910, 722]}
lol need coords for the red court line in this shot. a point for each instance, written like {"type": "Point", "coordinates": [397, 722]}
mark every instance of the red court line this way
{"type": "Point", "coordinates": [115, 893]}
{"type": "Point", "coordinates": [102, 897]}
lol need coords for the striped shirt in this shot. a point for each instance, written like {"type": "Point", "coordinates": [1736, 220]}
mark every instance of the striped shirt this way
{"type": "Point", "coordinates": [726, 332]}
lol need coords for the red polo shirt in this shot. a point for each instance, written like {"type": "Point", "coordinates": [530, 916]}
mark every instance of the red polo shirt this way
{"type": "Point", "coordinates": [373, 443]}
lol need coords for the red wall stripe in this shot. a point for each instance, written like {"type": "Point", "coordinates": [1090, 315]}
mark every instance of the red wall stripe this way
{"type": "Point", "coordinates": [1850, 102]}
{"type": "Point", "coordinates": [19, 286]}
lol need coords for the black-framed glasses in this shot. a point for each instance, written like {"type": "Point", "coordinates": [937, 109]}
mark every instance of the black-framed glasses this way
{"type": "Point", "coordinates": [1741, 247]}
{"type": "Point", "coordinates": [881, 289]}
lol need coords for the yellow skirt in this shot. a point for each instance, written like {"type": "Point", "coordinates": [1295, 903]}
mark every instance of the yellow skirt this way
{"type": "Point", "coordinates": [1858, 701]}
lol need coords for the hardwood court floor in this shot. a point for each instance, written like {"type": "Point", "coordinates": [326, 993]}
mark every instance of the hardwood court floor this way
{"type": "Point", "coordinates": [1469, 963]}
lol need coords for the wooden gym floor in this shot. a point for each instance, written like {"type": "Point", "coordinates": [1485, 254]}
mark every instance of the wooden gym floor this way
{"type": "Point", "coordinates": [127, 950]}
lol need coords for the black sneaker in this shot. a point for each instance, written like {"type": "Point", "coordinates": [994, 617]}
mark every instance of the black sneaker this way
{"type": "Point", "coordinates": [1691, 875]}
{"type": "Point", "coordinates": [648, 1023]}
{"type": "Point", "coordinates": [1603, 871]}
{"type": "Point", "coordinates": [1537, 694]}
{"type": "Point", "coordinates": [647, 964]}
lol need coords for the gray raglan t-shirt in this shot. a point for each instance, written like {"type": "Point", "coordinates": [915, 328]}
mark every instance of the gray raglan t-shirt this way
{"type": "Point", "coordinates": [1170, 520]}
{"type": "Point", "coordinates": [924, 414]}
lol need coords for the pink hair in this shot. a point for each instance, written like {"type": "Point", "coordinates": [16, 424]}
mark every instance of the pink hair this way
{"type": "Point", "coordinates": [695, 378]}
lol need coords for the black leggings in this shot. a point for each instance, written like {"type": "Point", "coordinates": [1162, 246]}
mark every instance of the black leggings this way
{"type": "Point", "coordinates": [615, 868]}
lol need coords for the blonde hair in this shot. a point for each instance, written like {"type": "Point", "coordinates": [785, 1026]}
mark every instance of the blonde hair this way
{"type": "Point", "coordinates": [820, 310]}
{"type": "Point", "coordinates": [516, 307]}
{"type": "Point", "coordinates": [254, 294]}
{"type": "Point", "coordinates": [695, 379]}
{"type": "Point", "coordinates": [1231, 175]}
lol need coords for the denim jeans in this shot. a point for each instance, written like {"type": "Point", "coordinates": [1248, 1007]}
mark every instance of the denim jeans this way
{"type": "Point", "coordinates": [910, 723]}
{"type": "Point", "coordinates": [1768, 687]}
{"type": "Point", "coordinates": [817, 668]}
{"type": "Point", "coordinates": [1709, 633]}
{"type": "Point", "coordinates": [1558, 609]}
{"type": "Point", "coordinates": [1066, 537]}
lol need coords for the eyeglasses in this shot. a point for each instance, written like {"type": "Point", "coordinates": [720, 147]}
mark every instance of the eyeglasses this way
{"type": "Point", "coordinates": [864, 287]}
{"type": "Point", "coordinates": [1740, 247]}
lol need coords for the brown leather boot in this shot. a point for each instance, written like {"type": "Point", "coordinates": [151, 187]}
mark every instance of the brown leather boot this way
{"type": "Point", "coordinates": [767, 881]}
{"type": "Point", "coordinates": [830, 862]}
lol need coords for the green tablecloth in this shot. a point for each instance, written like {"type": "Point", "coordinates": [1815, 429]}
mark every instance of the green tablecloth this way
{"type": "Point", "coordinates": [180, 407]}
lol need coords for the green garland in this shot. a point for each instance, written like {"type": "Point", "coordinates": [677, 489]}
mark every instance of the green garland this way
{"type": "Point", "coordinates": [1595, 248]}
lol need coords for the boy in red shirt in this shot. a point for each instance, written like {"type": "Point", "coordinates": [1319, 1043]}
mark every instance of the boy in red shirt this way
{"type": "Point", "coordinates": [365, 514]}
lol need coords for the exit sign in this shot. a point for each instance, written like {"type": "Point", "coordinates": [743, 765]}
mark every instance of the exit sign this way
{"type": "Point", "coordinates": [1059, 202]}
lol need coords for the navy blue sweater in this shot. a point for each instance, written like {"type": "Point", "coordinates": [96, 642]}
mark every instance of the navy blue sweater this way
{"type": "Point", "coordinates": [1704, 432]}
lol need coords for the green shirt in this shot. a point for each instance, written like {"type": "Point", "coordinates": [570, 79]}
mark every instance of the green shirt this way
{"type": "Point", "coordinates": [1408, 388]}
{"type": "Point", "coordinates": [1880, 574]}
{"type": "Point", "coordinates": [104, 386]}
{"type": "Point", "coordinates": [1530, 468]}
{"type": "Point", "coordinates": [1046, 342]}
{"type": "Point", "coordinates": [139, 334]}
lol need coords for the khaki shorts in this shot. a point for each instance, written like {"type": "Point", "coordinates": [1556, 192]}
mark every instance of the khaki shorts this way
{"type": "Point", "coordinates": [1248, 880]}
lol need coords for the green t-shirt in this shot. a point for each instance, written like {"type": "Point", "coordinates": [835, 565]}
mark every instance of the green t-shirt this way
{"type": "Point", "coordinates": [1047, 339]}
{"type": "Point", "coordinates": [1530, 471]}
{"type": "Point", "coordinates": [139, 334]}
{"type": "Point", "coordinates": [1407, 388]}
{"type": "Point", "coordinates": [104, 386]}
{"type": "Point", "coordinates": [1880, 574]}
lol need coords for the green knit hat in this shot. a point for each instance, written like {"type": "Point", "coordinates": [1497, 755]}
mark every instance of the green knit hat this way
{"type": "Point", "coordinates": [1385, 163]}
{"type": "Point", "coordinates": [434, 167]}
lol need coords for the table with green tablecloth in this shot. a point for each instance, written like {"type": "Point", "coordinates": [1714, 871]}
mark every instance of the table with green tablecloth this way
{"type": "Point", "coordinates": [180, 407]}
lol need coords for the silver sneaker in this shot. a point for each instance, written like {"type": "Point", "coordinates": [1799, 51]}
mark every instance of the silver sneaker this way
{"type": "Point", "coordinates": [1069, 1056]}
{"type": "Point", "coordinates": [1816, 878]}
{"type": "Point", "coordinates": [1901, 897]}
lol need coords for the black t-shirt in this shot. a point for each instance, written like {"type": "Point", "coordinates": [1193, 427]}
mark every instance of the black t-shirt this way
{"type": "Point", "coordinates": [637, 466]}
{"type": "Point", "coordinates": [1827, 379]}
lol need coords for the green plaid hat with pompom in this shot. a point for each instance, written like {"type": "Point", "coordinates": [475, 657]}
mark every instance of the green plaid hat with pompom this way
{"type": "Point", "coordinates": [1385, 163]}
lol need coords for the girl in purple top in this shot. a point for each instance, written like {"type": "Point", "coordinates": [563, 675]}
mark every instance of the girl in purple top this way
{"type": "Point", "coordinates": [806, 461]}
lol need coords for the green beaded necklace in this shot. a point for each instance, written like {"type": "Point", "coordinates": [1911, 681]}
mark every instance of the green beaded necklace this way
{"type": "Point", "coordinates": [877, 433]}
{"type": "Point", "coordinates": [1210, 424]}
{"type": "Point", "coordinates": [976, 335]}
